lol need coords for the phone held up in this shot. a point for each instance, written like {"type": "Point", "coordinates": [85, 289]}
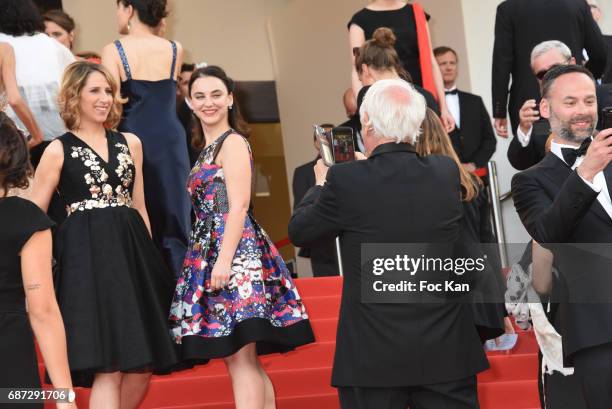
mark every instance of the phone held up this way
{"type": "Point", "coordinates": [337, 146]}
{"type": "Point", "coordinates": [606, 121]}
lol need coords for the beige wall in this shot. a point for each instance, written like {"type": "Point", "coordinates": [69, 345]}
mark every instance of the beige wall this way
{"type": "Point", "coordinates": [230, 33]}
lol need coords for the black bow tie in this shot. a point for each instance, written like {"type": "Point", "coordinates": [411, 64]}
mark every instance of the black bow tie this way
{"type": "Point", "coordinates": [451, 92]}
{"type": "Point", "coordinates": [570, 154]}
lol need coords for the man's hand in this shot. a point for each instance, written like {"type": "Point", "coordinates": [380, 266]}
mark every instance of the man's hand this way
{"type": "Point", "coordinates": [320, 171]}
{"type": "Point", "coordinates": [528, 114]}
{"type": "Point", "coordinates": [470, 167]}
{"type": "Point", "coordinates": [598, 156]}
{"type": "Point", "coordinates": [360, 156]}
{"type": "Point", "coordinates": [501, 127]}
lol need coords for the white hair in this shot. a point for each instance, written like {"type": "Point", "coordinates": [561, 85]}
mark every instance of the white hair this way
{"type": "Point", "coordinates": [395, 110]}
{"type": "Point", "coordinates": [547, 46]}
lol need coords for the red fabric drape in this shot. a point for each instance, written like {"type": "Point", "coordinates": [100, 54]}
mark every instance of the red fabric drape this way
{"type": "Point", "coordinates": [424, 50]}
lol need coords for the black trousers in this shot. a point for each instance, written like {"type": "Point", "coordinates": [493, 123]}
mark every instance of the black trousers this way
{"type": "Point", "coordinates": [461, 394]}
{"type": "Point", "coordinates": [593, 367]}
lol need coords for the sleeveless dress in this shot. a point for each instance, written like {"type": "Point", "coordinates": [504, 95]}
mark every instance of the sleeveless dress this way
{"type": "Point", "coordinates": [260, 304]}
{"type": "Point", "coordinates": [19, 219]}
{"type": "Point", "coordinates": [150, 114]}
{"type": "Point", "coordinates": [112, 286]}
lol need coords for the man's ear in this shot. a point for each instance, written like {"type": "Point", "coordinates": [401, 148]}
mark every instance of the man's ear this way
{"type": "Point", "coordinates": [545, 108]}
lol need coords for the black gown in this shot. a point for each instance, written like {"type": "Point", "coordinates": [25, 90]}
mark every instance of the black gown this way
{"type": "Point", "coordinates": [150, 114]}
{"type": "Point", "coordinates": [19, 219]}
{"type": "Point", "coordinates": [477, 237]}
{"type": "Point", "coordinates": [113, 288]}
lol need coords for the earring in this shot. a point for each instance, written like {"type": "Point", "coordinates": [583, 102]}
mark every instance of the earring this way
{"type": "Point", "coordinates": [230, 107]}
{"type": "Point", "coordinates": [129, 25]}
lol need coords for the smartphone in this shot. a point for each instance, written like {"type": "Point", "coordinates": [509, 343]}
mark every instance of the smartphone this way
{"type": "Point", "coordinates": [343, 144]}
{"type": "Point", "coordinates": [325, 144]}
{"type": "Point", "coordinates": [606, 118]}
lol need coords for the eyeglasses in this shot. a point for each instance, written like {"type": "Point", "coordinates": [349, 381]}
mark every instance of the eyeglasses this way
{"type": "Point", "coordinates": [540, 74]}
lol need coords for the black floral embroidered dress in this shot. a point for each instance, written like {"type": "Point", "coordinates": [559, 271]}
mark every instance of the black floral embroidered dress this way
{"type": "Point", "coordinates": [113, 288]}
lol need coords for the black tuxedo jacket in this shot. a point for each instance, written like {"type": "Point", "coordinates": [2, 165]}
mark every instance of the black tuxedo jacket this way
{"type": "Point", "coordinates": [323, 253]}
{"type": "Point", "coordinates": [522, 24]}
{"type": "Point", "coordinates": [475, 140]}
{"type": "Point", "coordinates": [389, 198]}
{"type": "Point", "coordinates": [556, 206]}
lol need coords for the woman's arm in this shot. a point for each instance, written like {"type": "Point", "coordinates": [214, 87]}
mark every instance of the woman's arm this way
{"type": "Point", "coordinates": [445, 116]}
{"type": "Point", "coordinates": [110, 60]}
{"type": "Point", "coordinates": [138, 197]}
{"type": "Point", "coordinates": [542, 259]}
{"type": "Point", "coordinates": [356, 40]}
{"type": "Point", "coordinates": [235, 160]}
{"type": "Point", "coordinates": [17, 103]}
{"type": "Point", "coordinates": [47, 174]}
{"type": "Point", "coordinates": [43, 311]}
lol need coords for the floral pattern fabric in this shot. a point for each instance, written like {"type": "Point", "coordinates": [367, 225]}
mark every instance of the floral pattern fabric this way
{"type": "Point", "coordinates": [260, 284]}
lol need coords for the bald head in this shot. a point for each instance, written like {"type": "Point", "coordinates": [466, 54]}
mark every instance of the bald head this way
{"type": "Point", "coordinates": [392, 109]}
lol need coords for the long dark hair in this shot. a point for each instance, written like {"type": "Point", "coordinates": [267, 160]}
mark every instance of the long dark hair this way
{"type": "Point", "coordinates": [234, 118]}
{"type": "Point", "coordinates": [20, 17]}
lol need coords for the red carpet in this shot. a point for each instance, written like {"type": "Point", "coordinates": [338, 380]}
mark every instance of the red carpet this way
{"type": "Point", "coordinates": [301, 378]}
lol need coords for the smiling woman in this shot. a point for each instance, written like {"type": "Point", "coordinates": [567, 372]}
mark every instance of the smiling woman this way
{"type": "Point", "coordinates": [104, 250]}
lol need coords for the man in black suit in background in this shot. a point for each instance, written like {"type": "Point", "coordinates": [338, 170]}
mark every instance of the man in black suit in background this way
{"type": "Point", "coordinates": [322, 254]}
{"type": "Point", "coordinates": [390, 356]}
{"type": "Point", "coordinates": [597, 13]}
{"type": "Point", "coordinates": [565, 198]}
{"type": "Point", "coordinates": [519, 26]}
{"type": "Point", "coordinates": [473, 137]}
{"type": "Point", "coordinates": [183, 108]}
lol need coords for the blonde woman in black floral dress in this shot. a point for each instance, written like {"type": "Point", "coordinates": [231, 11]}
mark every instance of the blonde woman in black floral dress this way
{"type": "Point", "coordinates": [113, 289]}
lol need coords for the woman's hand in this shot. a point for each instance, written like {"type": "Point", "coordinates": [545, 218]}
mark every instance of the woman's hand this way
{"type": "Point", "coordinates": [220, 275]}
{"type": "Point", "coordinates": [447, 120]}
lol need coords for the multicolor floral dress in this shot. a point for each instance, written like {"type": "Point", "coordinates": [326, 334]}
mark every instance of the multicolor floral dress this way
{"type": "Point", "coordinates": [260, 304]}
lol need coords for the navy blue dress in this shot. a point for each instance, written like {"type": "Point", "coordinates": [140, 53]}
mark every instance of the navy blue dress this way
{"type": "Point", "coordinates": [150, 114]}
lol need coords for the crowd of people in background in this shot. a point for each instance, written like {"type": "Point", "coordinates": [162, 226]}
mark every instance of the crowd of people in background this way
{"type": "Point", "coordinates": [140, 163]}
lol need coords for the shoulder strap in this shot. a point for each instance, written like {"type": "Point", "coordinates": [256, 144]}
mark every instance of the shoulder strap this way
{"type": "Point", "coordinates": [124, 61]}
{"type": "Point", "coordinates": [220, 143]}
{"type": "Point", "coordinates": [173, 59]}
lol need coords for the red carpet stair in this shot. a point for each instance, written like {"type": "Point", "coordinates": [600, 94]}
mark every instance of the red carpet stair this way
{"type": "Point", "coordinates": [301, 378]}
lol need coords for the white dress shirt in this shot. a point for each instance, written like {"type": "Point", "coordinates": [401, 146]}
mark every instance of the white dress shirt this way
{"type": "Point", "coordinates": [524, 138]}
{"type": "Point", "coordinates": [599, 181]}
{"type": "Point", "coordinates": [452, 103]}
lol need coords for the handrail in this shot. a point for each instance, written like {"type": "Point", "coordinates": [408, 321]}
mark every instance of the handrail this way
{"type": "Point", "coordinates": [498, 221]}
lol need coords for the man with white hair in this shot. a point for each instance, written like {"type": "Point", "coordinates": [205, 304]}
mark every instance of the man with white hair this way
{"type": "Point", "coordinates": [393, 355]}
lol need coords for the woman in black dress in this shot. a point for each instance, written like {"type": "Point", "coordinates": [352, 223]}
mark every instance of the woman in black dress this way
{"type": "Point", "coordinates": [25, 278]}
{"type": "Point", "coordinates": [401, 18]}
{"type": "Point", "coordinates": [489, 316]}
{"type": "Point", "coordinates": [113, 288]}
{"type": "Point", "coordinates": [146, 65]}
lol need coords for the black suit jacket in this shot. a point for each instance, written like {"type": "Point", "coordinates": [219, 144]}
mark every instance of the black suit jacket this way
{"type": "Point", "coordinates": [388, 198]}
{"type": "Point", "coordinates": [556, 206]}
{"type": "Point", "coordinates": [322, 253]}
{"type": "Point", "coordinates": [522, 24]}
{"type": "Point", "coordinates": [475, 140]}
{"type": "Point", "coordinates": [185, 116]}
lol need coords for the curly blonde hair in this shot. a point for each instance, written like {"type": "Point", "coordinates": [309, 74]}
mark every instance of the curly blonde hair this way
{"type": "Point", "coordinates": [73, 82]}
